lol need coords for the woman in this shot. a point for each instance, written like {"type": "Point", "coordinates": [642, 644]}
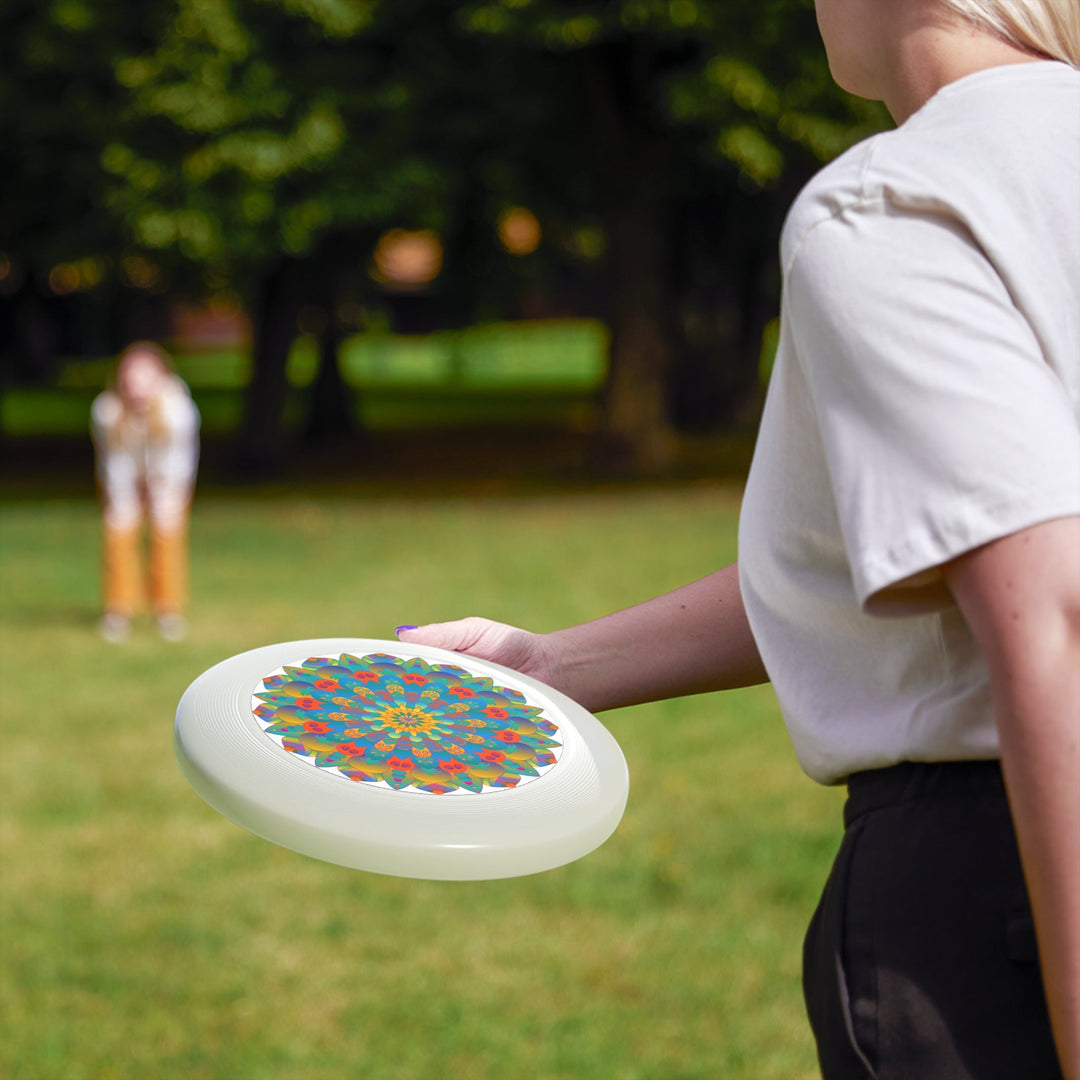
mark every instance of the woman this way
{"type": "Point", "coordinates": [909, 574]}
{"type": "Point", "coordinates": [145, 432]}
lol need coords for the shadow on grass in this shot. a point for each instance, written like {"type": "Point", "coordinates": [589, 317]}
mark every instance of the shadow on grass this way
{"type": "Point", "coordinates": [426, 463]}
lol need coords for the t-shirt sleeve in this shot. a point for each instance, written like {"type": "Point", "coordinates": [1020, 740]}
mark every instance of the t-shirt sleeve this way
{"type": "Point", "coordinates": [943, 424]}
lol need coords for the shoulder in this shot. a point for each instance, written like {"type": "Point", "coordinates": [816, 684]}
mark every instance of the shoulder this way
{"type": "Point", "coordinates": [176, 403]}
{"type": "Point", "coordinates": [106, 410]}
{"type": "Point", "coordinates": [832, 192]}
{"type": "Point", "coordinates": [174, 417]}
{"type": "Point", "coordinates": [989, 152]}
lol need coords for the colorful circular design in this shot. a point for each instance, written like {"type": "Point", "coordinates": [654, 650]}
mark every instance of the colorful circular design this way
{"type": "Point", "coordinates": [406, 724]}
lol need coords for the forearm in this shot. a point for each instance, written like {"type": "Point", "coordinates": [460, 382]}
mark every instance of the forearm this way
{"type": "Point", "coordinates": [1039, 727]}
{"type": "Point", "coordinates": [1021, 598]}
{"type": "Point", "coordinates": [689, 641]}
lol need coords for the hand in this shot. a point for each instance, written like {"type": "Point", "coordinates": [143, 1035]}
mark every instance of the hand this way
{"type": "Point", "coordinates": [487, 640]}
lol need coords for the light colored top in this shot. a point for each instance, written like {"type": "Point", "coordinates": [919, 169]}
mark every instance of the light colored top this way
{"type": "Point", "coordinates": [925, 401]}
{"type": "Point", "coordinates": [146, 462]}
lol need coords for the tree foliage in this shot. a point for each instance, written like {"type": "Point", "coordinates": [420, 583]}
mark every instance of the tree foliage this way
{"type": "Point", "coordinates": [264, 145]}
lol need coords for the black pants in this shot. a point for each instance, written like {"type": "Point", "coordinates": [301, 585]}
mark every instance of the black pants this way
{"type": "Point", "coordinates": [920, 961]}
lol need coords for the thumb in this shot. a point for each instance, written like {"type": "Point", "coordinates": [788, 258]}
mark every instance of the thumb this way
{"type": "Point", "coordinates": [507, 645]}
{"type": "Point", "coordinates": [456, 636]}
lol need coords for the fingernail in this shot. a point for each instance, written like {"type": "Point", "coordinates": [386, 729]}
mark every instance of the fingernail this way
{"type": "Point", "coordinates": [398, 629]}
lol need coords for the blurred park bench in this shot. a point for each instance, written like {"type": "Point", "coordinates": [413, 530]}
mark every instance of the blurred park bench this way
{"type": "Point", "coordinates": [540, 372]}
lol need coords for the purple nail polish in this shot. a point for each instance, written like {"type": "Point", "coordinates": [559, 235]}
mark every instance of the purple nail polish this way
{"type": "Point", "coordinates": [398, 629]}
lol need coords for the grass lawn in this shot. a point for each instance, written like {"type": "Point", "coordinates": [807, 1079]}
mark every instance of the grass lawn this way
{"type": "Point", "coordinates": [546, 371]}
{"type": "Point", "coordinates": [144, 936]}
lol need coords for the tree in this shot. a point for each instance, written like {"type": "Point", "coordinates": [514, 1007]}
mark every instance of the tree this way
{"type": "Point", "coordinates": [262, 146]}
{"type": "Point", "coordinates": [59, 107]}
{"type": "Point", "coordinates": [276, 140]}
{"type": "Point", "coordinates": [688, 107]}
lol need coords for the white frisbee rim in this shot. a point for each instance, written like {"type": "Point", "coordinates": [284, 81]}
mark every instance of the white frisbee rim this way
{"type": "Point", "coordinates": [244, 774]}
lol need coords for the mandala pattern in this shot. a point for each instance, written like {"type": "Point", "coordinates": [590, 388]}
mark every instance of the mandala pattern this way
{"type": "Point", "coordinates": [406, 724]}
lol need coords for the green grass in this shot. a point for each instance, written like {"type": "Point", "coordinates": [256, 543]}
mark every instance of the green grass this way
{"type": "Point", "coordinates": [145, 936]}
{"type": "Point", "coordinates": [56, 411]}
{"type": "Point", "coordinates": [547, 371]}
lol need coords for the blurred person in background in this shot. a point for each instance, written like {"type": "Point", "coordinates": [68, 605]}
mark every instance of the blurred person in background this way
{"type": "Point", "coordinates": [909, 549]}
{"type": "Point", "coordinates": [146, 437]}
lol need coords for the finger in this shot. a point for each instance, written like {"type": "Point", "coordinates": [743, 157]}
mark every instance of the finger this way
{"type": "Point", "coordinates": [455, 636]}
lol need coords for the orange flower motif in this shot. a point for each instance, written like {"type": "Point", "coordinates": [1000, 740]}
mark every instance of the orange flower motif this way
{"type": "Point", "coordinates": [412, 677]}
{"type": "Point", "coordinates": [327, 684]}
{"type": "Point", "coordinates": [461, 692]}
{"type": "Point", "coordinates": [451, 766]}
{"type": "Point", "coordinates": [506, 735]}
{"type": "Point", "coordinates": [316, 727]}
{"type": "Point", "coordinates": [307, 703]}
{"type": "Point", "coordinates": [365, 676]}
{"type": "Point", "coordinates": [492, 710]}
{"type": "Point", "coordinates": [494, 757]}
{"type": "Point", "coordinates": [403, 764]}
{"type": "Point", "coordinates": [349, 749]}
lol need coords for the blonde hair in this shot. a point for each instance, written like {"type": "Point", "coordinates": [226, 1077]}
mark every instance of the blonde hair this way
{"type": "Point", "coordinates": [1048, 27]}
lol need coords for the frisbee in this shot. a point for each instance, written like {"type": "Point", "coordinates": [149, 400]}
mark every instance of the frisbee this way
{"type": "Point", "coordinates": [400, 759]}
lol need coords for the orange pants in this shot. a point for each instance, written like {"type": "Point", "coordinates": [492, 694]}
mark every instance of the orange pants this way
{"type": "Point", "coordinates": [124, 585]}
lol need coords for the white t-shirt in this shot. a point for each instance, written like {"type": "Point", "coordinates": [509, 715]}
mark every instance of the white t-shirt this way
{"type": "Point", "coordinates": [925, 400]}
{"type": "Point", "coordinates": [144, 462]}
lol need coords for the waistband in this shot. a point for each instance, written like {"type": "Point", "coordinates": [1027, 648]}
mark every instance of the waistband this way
{"type": "Point", "coordinates": [913, 781]}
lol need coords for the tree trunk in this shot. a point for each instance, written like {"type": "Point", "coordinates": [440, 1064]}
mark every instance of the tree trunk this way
{"type": "Point", "coordinates": [726, 283]}
{"type": "Point", "coordinates": [331, 415]}
{"type": "Point", "coordinates": [635, 191]}
{"type": "Point", "coordinates": [35, 337]}
{"type": "Point", "coordinates": [260, 448]}
{"type": "Point", "coordinates": [637, 427]}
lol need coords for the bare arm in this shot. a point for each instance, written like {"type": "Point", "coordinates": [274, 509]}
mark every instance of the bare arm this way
{"type": "Point", "coordinates": [1021, 598]}
{"type": "Point", "coordinates": [689, 641]}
